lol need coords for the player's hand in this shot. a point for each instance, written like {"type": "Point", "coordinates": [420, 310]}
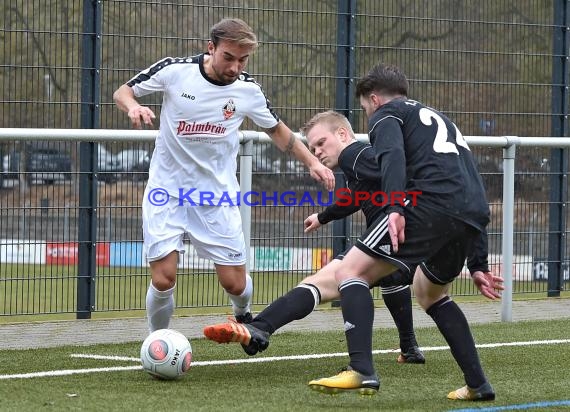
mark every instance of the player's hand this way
{"type": "Point", "coordinates": [311, 223]}
{"type": "Point", "coordinates": [323, 175]}
{"type": "Point", "coordinates": [488, 284]}
{"type": "Point", "coordinates": [141, 113]}
{"type": "Point", "coordinates": [396, 226]}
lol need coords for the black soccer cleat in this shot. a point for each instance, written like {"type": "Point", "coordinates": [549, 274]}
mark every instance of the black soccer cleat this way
{"type": "Point", "coordinates": [245, 318]}
{"type": "Point", "coordinates": [413, 355]}
{"type": "Point", "coordinates": [258, 342]}
{"type": "Point", "coordinates": [252, 339]}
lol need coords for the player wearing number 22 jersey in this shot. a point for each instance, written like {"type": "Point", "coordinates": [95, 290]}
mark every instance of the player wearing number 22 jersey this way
{"type": "Point", "coordinates": [419, 149]}
{"type": "Point", "coordinates": [406, 129]}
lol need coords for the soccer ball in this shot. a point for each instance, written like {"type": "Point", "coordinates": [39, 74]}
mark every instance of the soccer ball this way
{"type": "Point", "coordinates": [166, 354]}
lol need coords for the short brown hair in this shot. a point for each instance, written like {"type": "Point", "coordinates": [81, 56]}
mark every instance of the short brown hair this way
{"type": "Point", "coordinates": [233, 30]}
{"type": "Point", "coordinates": [334, 120]}
{"type": "Point", "coordinates": [384, 79]}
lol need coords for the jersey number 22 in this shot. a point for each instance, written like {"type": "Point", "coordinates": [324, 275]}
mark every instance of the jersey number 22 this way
{"type": "Point", "coordinates": [440, 143]}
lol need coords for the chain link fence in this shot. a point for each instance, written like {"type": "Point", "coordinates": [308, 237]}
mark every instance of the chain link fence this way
{"type": "Point", "coordinates": [495, 67]}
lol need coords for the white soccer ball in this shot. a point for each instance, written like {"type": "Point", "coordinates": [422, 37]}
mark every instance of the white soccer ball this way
{"type": "Point", "coordinates": [166, 354]}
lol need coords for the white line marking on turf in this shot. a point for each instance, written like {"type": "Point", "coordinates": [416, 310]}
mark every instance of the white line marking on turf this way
{"type": "Point", "coordinates": [321, 355]}
{"type": "Point", "coordinates": [66, 372]}
{"type": "Point", "coordinates": [248, 360]}
{"type": "Point", "coordinates": [105, 357]}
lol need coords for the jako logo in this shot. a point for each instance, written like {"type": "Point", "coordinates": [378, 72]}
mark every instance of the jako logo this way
{"type": "Point", "coordinates": [188, 96]}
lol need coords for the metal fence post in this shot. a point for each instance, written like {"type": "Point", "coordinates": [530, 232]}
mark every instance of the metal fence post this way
{"type": "Point", "coordinates": [245, 172]}
{"type": "Point", "coordinates": [346, 57]}
{"type": "Point", "coordinates": [558, 157]}
{"type": "Point", "coordinates": [345, 68]}
{"type": "Point", "coordinates": [345, 64]}
{"type": "Point", "coordinates": [508, 226]}
{"type": "Point", "coordinates": [90, 113]}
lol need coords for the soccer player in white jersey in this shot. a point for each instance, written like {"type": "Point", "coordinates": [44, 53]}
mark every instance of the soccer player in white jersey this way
{"type": "Point", "coordinates": [192, 187]}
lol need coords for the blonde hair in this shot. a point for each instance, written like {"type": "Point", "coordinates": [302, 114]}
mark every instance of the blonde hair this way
{"type": "Point", "coordinates": [233, 30]}
{"type": "Point", "coordinates": [334, 121]}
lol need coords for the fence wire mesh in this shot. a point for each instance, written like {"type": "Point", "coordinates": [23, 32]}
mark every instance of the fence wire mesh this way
{"type": "Point", "coordinates": [490, 65]}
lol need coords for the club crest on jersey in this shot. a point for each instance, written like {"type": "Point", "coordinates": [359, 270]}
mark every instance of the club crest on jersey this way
{"type": "Point", "coordinates": [229, 109]}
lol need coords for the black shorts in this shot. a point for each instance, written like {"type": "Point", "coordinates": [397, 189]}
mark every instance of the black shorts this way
{"type": "Point", "coordinates": [398, 278]}
{"type": "Point", "coordinates": [436, 242]}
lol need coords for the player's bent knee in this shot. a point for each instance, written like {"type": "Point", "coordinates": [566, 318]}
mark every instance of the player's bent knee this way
{"type": "Point", "coordinates": [234, 289]}
{"type": "Point", "coordinates": [163, 283]}
{"type": "Point", "coordinates": [424, 303]}
{"type": "Point", "coordinates": [232, 278]}
{"type": "Point", "coordinates": [426, 300]}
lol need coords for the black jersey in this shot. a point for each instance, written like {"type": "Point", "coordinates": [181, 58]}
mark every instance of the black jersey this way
{"type": "Point", "coordinates": [358, 163]}
{"type": "Point", "coordinates": [420, 149]}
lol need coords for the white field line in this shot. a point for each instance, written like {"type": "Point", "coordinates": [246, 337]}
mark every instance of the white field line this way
{"type": "Point", "coordinates": [248, 360]}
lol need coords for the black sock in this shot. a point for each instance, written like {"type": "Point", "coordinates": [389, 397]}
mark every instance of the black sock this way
{"type": "Point", "coordinates": [398, 300]}
{"type": "Point", "coordinates": [358, 314]}
{"type": "Point", "coordinates": [295, 304]}
{"type": "Point", "coordinates": [454, 327]}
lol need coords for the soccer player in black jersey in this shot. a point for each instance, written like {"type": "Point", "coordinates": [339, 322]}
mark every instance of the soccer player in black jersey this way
{"type": "Point", "coordinates": [332, 140]}
{"type": "Point", "coordinates": [418, 149]}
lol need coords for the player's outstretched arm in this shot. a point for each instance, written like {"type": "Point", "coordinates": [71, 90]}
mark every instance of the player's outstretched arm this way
{"type": "Point", "coordinates": [332, 212]}
{"type": "Point", "coordinates": [286, 141]}
{"type": "Point", "coordinates": [125, 100]}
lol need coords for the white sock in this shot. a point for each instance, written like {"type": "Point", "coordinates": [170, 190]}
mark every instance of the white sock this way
{"type": "Point", "coordinates": [240, 304]}
{"type": "Point", "coordinates": [159, 307]}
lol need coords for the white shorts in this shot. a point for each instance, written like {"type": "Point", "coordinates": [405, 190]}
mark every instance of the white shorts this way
{"type": "Point", "coordinates": [214, 231]}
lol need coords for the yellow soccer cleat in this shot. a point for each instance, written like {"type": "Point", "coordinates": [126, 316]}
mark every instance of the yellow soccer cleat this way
{"type": "Point", "coordinates": [484, 392]}
{"type": "Point", "coordinates": [348, 380]}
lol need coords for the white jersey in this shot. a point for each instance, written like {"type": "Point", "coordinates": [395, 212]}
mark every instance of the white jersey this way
{"type": "Point", "coordinates": [198, 142]}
